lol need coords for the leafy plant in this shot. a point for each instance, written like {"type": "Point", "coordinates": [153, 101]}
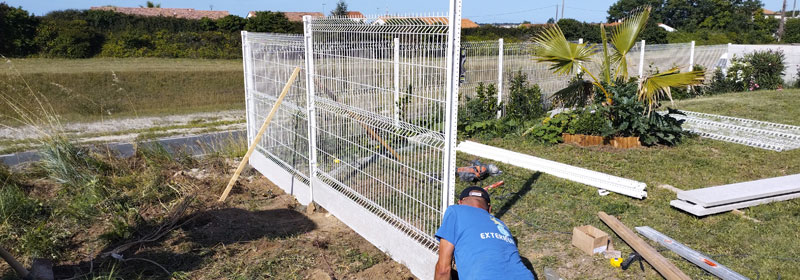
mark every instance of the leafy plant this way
{"type": "Point", "coordinates": [550, 129]}
{"type": "Point", "coordinates": [472, 119]}
{"type": "Point", "coordinates": [566, 58]}
{"type": "Point", "coordinates": [590, 121]}
{"type": "Point", "coordinates": [524, 100]}
{"type": "Point", "coordinates": [627, 118]}
{"type": "Point", "coordinates": [719, 83]}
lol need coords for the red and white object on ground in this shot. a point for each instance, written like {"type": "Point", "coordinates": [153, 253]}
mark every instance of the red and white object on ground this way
{"type": "Point", "coordinates": [693, 256]}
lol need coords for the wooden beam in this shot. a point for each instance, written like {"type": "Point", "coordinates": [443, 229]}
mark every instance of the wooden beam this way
{"type": "Point", "coordinates": [661, 264]}
{"type": "Point", "coordinates": [258, 135]}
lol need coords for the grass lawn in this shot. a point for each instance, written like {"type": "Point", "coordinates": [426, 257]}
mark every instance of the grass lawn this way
{"type": "Point", "coordinates": [772, 106]}
{"type": "Point", "coordinates": [102, 88]}
{"type": "Point", "coordinates": [541, 210]}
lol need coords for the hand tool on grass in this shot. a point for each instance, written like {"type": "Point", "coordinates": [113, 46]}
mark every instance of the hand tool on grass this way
{"type": "Point", "coordinates": [477, 171]}
{"type": "Point", "coordinates": [259, 134]}
{"type": "Point", "coordinates": [492, 186]}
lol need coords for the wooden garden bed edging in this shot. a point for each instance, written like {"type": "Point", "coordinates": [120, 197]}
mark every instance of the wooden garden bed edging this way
{"type": "Point", "coordinates": [592, 140]}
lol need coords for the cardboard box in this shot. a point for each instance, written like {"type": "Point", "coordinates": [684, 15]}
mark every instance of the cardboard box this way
{"type": "Point", "coordinates": [590, 239]}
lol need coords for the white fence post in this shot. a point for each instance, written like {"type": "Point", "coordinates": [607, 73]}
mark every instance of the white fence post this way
{"type": "Point", "coordinates": [641, 60]}
{"type": "Point", "coordinates": [451, 106]}
{"type": "Point", "coordinates": [311, 113]}
{"type": "Point", "coordinates": [248, 85]}
{"type": "Point", "coordinates": [691, 58]}
{"type": "Point", "coordinates": [396, 81]}
{"type": "Point", "coordinates": [499, 77]}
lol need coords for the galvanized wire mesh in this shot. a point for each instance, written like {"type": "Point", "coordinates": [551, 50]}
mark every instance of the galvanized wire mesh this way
{"type": "Point", "coordinates": [269, 60]}
{"type": "Point", "coordinates": [380, 91]}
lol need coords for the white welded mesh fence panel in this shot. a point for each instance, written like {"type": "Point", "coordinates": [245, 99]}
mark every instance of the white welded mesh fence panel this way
{"type": "Point", "coordinates": [269, 60]}
{"type": "Point", "coordinates": [480, 66]}
{"type": "Point", "coordinates": [381, 124]}
{"type": "Point", "coordinates": [710, 58]}
{"type": "Point", "coordinates": [518, 58]}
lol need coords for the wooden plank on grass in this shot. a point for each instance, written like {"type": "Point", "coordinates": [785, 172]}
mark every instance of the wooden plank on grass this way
{"type": "Point", "coordinates": [661, 264]}
{"type": "Point", "coordinates": [732, 193]}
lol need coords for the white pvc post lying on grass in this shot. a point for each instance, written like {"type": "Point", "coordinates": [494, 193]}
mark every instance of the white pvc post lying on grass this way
{"type": "Point", "coordinates": [396, 81]}
{"type": "Point", "coordinates": [585, 176]}
{"type": "Point", "coordinates": [499, 77]}
{"type": "Point", "coordinates": [641, 60]}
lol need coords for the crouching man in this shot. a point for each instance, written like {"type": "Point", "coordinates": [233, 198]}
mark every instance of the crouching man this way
{"type": "Point", "coordinates": [482, 244]}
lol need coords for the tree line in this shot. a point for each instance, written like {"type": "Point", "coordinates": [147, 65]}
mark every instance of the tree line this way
{"type": "Point", "coordinates": [92, 33]}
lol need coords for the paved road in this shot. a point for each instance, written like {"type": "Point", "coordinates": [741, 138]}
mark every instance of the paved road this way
{"type": "Point", "coordinates": [194, 145]}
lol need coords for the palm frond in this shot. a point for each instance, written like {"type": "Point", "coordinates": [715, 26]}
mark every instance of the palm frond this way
{"type": "Point", "coordinates": [553, 47]}
{"type": "Point", "coordinates": [623, 38]}
{"type": "Point", "coordinates": [653, 88]}
{"type": "Point", "coordinates": [578, 93]}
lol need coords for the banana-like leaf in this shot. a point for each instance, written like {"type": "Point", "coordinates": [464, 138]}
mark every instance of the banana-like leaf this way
{"type": "Point", "coordinates": [655, 87]}
{"type": "Point", "coordinates": [553, 47]}
{"type": "Point", "coordinates": [623, 38]}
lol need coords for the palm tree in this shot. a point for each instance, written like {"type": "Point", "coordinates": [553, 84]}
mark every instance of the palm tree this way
{"type": "Point", "coordinates": [567, 58]}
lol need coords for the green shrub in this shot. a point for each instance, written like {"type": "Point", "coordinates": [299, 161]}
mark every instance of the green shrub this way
{"type": "Point", "coordinates": [719, 83]}
{"type": "Point", "coordinates": [477, 110]}
{"type": "Point", "coordinates": [524, 100]}
{"type": "Point", "coordinates": [768, 68]}
{"type": "Point", "coordinates": [589, 121]}
{"type": "Point", "coordinates": [67, 39]}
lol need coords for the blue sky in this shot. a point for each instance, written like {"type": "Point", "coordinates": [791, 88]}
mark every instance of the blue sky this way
{"type": "Point", "coordinates": [482, 11]}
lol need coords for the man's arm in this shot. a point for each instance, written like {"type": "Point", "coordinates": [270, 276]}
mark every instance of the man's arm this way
{"type": "Point", "coordinates": [444, 265]}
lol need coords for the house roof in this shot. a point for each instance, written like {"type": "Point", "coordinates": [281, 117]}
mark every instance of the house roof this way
{"type": "Point", "coordinates": [354, 14]}
{"type": "Point", "coordinates": [298, 16]}
{"type": "Point", "coordinates": [465, 22]}
{"type": "Point", "coordinates": [187, 13]}
{"type": "Point", "coordinates": [769, 12]}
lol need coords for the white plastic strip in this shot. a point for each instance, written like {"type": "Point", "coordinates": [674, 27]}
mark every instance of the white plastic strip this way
{"type": "Point", "coordinates": [585, 176]}
{"type": "Point", "coordinates": [693, 256]}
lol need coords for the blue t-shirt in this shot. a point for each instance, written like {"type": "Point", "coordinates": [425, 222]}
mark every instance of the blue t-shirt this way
{"type": "Point", "coordinates": [484, 248]}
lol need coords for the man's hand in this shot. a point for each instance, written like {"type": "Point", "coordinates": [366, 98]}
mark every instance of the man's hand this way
{"type": "Point", "coordinates": [444, 265]}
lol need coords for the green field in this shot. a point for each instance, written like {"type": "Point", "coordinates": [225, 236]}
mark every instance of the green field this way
{"type": "Point", "coordinates": [542, 210]}
{"type": "Point", "coordinates": [95, 89]}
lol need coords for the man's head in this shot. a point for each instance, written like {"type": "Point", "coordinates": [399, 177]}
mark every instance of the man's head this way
{"type": "Point", "coordinates": [475, 197]}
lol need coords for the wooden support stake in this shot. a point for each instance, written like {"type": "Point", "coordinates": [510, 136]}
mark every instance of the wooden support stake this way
{"type": "Point", "coordinates": [661, 264]}
{"type": "Point", "coordinates": [259, 134]}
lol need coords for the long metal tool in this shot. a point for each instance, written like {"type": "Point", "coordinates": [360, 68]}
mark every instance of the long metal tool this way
{"type": "Point", "coordinates": [259, 134]}
{"type": "Point", "coordinates": [693, 256]}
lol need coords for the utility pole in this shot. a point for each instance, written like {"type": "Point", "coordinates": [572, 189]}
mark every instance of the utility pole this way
{"type": "Point", "coordinates": [556, 18]}
{"type": "Point", "coordinates": [794, 9]}
{"type": "Point", "coordinates": [564, 7]}
{"type": "Point", "coordinates": [783, 21]}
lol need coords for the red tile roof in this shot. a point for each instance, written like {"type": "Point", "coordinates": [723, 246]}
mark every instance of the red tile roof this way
{"type": "Point", "coordinates": [465, 23]}
{"type": "Point", "coordinates": [165, 12]}
{"type": "Point", "coordinates": [298, 16]}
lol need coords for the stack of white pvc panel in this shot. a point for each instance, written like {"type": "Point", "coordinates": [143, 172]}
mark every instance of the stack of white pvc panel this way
{"type": "Point", "coordinates": [712, 200]}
